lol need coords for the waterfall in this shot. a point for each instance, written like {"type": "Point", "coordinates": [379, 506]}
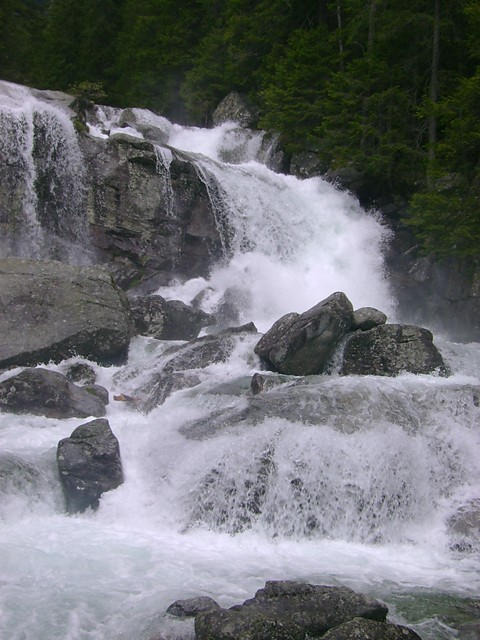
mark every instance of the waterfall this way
{"type": "Point", "coordinates": [44, 176]}
{"type": "Point", "coordinates": [335, 480]}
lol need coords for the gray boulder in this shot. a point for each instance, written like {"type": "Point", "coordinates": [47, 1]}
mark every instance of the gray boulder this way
{"type": "Point", "coordinates": [302, 344]}
{"type": "Point", "coordinates": [362, 629]}
{"type": "Point", "coordinates": [287, 610]}
{"type": "Point", "coordinates": [89, 464]}
{"type": "Point", "coordinates": [388, 350]}
{"type": "Point", "coordinates": [48, 393]}
{"type": "Point", "coordinates": [168, 319]}
{"type": "Point", "coordinates": [51, 311]}
{"type": "Point", "coordinates": [190, 607]}
{"type": "Point", "coordinates": [235, 108]}
{"type": "Point", "coordinates": [367, 317]}
{"type": "Point", "coordinates": [81, 373]}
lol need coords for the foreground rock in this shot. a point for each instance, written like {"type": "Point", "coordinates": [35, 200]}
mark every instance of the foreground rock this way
{"type": "Point", "coordinates": [362, 629]}
{"type": "Point", "coordinates": [302, 344]}
{"type": "Point", "coordinates": [48, 393]}
{"type": "Point", "coordinates": [190, 607]}
{"type": "Point", "coordinates": [89, 464]}
{"type": "Point", "coordinates": [388, 350]}
{"type": "Point", "coordinates": [51, 311]}
{"type": "Point", "coordinates": [168, 319]}
{"type": "Point", "coordinates": [287, 610]}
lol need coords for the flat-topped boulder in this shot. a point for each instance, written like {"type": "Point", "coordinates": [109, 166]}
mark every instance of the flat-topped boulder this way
{"type": "Point", "coordinates": [51, 311]}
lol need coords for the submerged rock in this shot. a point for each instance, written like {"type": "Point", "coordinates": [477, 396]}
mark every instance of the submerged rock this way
{"type": "Point", "coordinates": [51, 311]}
{"type": "Point", "coordinates": [89, 464]}
{"type": "Point", "coordinates": [302, 344]}
{"type": "Point", "coordinates": [287, 610]}
{"type": "Point", "coordinates": [48, 393]}
{"type": "Point", "coordinates": [464, 526]}
{"type": "Point", "coordinates": [388, 350]}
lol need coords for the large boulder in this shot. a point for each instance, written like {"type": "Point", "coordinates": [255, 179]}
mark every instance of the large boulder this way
{"type": "Point", "coordinates": [287, 610]}
{"type": "Point", "coordinates": [89, 464]}
{"type": "Point", "coordinates": [390, 349]}
{"type": "Point", "coordinates": [168, 319]}
{"type": "Point", "coordinates": [235, 108]}
{"type": "Point", "coordinates": [51, 311]}
{"type": "Point", "coordinates": [48, 393]}
{"type": "Point", "coordinates": [302, 344]}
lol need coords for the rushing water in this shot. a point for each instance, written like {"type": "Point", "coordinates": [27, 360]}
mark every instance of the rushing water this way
{"type": "Point", "coordinates": [350, 481]}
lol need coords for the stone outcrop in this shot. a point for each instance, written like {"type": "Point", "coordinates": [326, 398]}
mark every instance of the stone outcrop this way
{"type": "Point", "coordinates": [388, 350]}
{"type": "Point", "coordinates": [302, 344]}
{"type": "Point", "coordinates": [48, 393]}
{"type": "Point", "coordinates": [89, 464]}
{"type": "Point", "coordinates": [51, 311]}
{"type": "Point", "coordinates": [287, 610]}
{"type": "Point", "coordinates": [168, 319]}
{"type": "Point", "coordinates": [148, 209]}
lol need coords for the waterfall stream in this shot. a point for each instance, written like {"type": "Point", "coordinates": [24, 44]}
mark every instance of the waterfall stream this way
{"type": "Point", "coordinates": [337, 480]}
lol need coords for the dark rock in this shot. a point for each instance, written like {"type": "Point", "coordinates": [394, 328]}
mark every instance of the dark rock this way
{"type": "Point", "coordinates": [257, 384]}
{"type": "Point", "coordinates": [302, 344]}
{"type": "Point", "coordinates": [81, 373]}
{"type": "Point", "coordinates": [368, 318]}
{"type": "Point", "coordinates": [388, 350]}
{"type": "Point", "coordinates": [192, 606]}
{"type": "Point", "coordinates": [362, 629]}
{"type": "Point", "coordinates": [99, 391]}
{"type": "Point", "coordinates": [288, 610]}
{"type": "Point", "coordinates": [51, 311]}
{"type": "Point", "coordinates": [89, 464]}
{"type": "Point", "coordinates": [47, 393]}
{"type": "Point", "coordinates": [235, 108]}
{"type": "Point", "coordinates": [306, 164]}
{"type": "Point", "coordinates": [168, 319]}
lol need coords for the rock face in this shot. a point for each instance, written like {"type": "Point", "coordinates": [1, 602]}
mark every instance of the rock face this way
{"type": "Point", "coordinates": [47, 393]}
{"type": "Point", "coordinates": [168, 319]}
{"type": "Point", "coordinates": [388, 350]}
{"type": "Point", "coordinates": [302, 344]}
{"type": "Point", "coordinates": [149, 207]}
{"type": "Point", "coordinates": [52, 310]}
{"type": "Point", "coordinates": [89, 464]}
{"type": "Point", "coordinates": [287, 610]}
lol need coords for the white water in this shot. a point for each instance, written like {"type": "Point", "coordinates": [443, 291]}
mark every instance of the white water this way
{"type": "Point", "coordinates": [358, 495]}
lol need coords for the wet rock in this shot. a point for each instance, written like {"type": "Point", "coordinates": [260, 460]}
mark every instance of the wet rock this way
{"type": "Point", "coordinates": [48, 393]}
{"type": "Point", "coordinates": [51, 311]}
{"type": "Point", "coordinates": [235, 108]}
{"type": "Point", "coordinates": [257, 384]}
{"type": "Point", "coordinates": [368, 318]}
{"type": "Point", "coordinates": [175, 368]}
{"type": "Point", "coordinates": [99, 391]}
{"type": "Point", "coordinates": [388, 350]}
{"type": "Point", "coordinates": [288, 610]}
{"type": "Point", "coordinates": [192, 606]}
{"type": "Point", "coordinates": [81, 373]}
{"type": "Point", "coordinates": [168, 319]}
{"type": "Point", "coordinates": [89, 464]}
{"type": "Point", "coordinates": [363, 629]}
{"type": "Point", "coordinates": [302, 344]}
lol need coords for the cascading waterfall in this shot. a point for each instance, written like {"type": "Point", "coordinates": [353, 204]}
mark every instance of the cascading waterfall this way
{"type": "Point", "coordinates": [333, 480]}
{"type": "Point", "coordinates": [40, 156]}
